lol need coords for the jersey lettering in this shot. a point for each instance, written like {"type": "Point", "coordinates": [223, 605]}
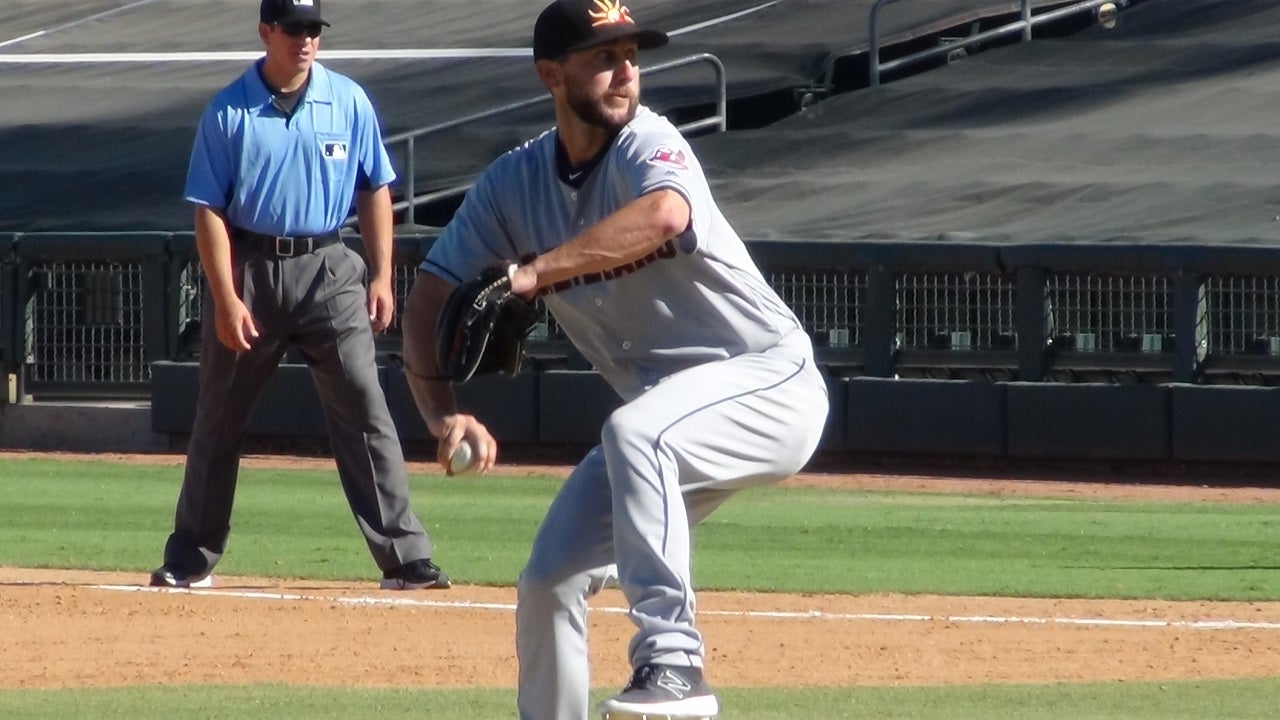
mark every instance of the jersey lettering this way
{"type": "Point", "coordinates": [666, 252]}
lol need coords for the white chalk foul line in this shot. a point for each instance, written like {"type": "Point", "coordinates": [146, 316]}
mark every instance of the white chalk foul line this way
{"type": "Point", "coordinates": [765, 614]}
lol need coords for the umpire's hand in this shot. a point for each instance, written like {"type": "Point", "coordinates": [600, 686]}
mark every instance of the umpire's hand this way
{"type": "Point", "coordinates": [382, 305]}
{"type": "Point", "coordinates": [235, 326]}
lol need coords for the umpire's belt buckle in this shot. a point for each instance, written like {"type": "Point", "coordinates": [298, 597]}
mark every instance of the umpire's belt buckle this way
{"type": "Point", "coordinates": [284, 246]}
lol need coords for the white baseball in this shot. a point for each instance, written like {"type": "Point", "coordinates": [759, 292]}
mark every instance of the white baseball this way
{"type": "Point", "coordinates": [462, 460]}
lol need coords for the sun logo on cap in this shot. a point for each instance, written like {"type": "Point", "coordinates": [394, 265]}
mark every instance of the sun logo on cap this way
{"type": "Point", "coordinates": [611, 12]}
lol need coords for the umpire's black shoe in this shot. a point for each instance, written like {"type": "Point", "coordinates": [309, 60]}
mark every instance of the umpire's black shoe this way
{"type": "Point", "coordinates": [415, 575]}
{"type": "Point", "coordinates": [663, 691]}
{"type": "Point", "coordinates": [170, 576]}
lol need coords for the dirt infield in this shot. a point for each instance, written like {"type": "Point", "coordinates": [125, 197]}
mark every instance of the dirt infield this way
{"type": "Point", "coordinates": [65, 629]}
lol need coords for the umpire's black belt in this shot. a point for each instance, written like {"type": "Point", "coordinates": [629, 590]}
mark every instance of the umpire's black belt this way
{"type": "Point", "coordinates": [283, 245]}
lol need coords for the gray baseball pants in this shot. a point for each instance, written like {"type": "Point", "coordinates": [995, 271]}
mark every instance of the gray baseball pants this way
{"type": "Point", "coordinates": [667, 459]}
{"type": "Point", "coordinates": [316, 302]}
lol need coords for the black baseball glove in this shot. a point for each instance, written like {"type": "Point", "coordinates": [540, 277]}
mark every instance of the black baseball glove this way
{"type": "Point", "coordinates": [482, 327]}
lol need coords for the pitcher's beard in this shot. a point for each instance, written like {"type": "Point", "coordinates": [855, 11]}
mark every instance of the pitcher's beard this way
{"type": "Point", "coordinates": [591, 113]}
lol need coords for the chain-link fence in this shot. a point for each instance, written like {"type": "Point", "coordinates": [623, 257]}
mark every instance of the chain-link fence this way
{"type": "Point", "coordinates": [84, 325]}
{"type": "Point", "coordinates": [85, 316]}
{"type": "Point", "coordinates": [828, 303]}
{"type": "Point", "coordinates": [89, 312]}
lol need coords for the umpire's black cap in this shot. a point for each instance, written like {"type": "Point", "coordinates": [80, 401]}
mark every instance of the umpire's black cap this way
{"type": "Point", "coordinates": [567, 26]}
{"type": "Point", "coordinates": [290, 11]}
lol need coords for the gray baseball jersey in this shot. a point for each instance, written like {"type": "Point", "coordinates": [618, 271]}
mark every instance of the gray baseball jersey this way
{"type": "Point", "coordinates": [703, 299]}
{"type": "Point", "coordinates": [721, 389]}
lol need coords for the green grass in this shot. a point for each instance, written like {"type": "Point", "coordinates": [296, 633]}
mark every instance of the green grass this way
{"type": "Point", "coordinates": [286, 523]}
{"type": "Point", "coordinates": [295, 523]}
{"type": "Point", "coordinates": [832, 541]}
{"type": "Point", "coordinates": [1200, 700]}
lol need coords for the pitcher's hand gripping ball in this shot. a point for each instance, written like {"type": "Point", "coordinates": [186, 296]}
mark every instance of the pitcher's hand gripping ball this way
{"type": "Point", "coordinates": [463, 459]}
{"type": "Point", "coordinates": [483, 326]}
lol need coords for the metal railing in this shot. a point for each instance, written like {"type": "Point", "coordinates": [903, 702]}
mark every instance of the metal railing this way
{"type": "Point", "coordinates": [1023, 25]}
{"type": "Point", "coordinates": [409, 139]}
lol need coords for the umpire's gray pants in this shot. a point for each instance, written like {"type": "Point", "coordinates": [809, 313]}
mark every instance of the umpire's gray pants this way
{"type": "Point", "coordinates": [318, 303]}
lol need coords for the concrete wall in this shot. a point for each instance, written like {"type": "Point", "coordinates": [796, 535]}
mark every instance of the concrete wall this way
{"type": "Point", "coordinates": [1009, 420]}
{"type": "Point", "coordinates": [100, 426]}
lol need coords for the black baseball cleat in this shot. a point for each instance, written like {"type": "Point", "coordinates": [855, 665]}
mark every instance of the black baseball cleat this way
{"type": "Point", "coordinates": [415, 575]}
{"type": "Point", "coordinates": [170, 576]}
{"type": "Point", "coordinates": [663, 692]}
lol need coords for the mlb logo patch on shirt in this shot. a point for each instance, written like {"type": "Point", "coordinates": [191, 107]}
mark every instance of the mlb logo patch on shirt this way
{"type": "Point", "coordinates": [666, 157]}
{"type": "Point", "coordinates": [334, 150]}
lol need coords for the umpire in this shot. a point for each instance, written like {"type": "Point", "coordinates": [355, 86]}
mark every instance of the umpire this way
{"type": "Point", "coordinates": [277, 159]}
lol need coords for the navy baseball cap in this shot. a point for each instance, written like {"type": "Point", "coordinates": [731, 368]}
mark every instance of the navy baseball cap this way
{"type": "Point", "coordinates": [290, 11]}
{"type": "Point", "coordinates": [567, 26]}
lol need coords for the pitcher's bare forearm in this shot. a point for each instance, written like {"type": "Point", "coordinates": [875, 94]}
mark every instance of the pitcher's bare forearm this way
{"type": "Point", "coordinates": [635, 230]}
{"type": "Point", "coordinates": [432, 392]}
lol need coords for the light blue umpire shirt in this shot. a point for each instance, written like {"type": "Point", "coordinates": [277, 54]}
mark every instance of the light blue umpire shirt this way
{"type": "Point", "coordinates": [287, 175]}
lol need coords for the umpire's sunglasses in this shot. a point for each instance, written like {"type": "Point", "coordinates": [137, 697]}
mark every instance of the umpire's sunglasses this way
{"type": "Point", "coordinates": [297, 29]}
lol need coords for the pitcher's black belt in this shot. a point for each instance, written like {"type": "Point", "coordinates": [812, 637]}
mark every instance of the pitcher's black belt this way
{"type": "Point", "coordinates": [284, 245]}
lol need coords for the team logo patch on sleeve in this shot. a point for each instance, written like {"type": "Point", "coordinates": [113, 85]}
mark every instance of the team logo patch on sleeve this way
{"type": "Point", "coordinates": [667, 157]}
